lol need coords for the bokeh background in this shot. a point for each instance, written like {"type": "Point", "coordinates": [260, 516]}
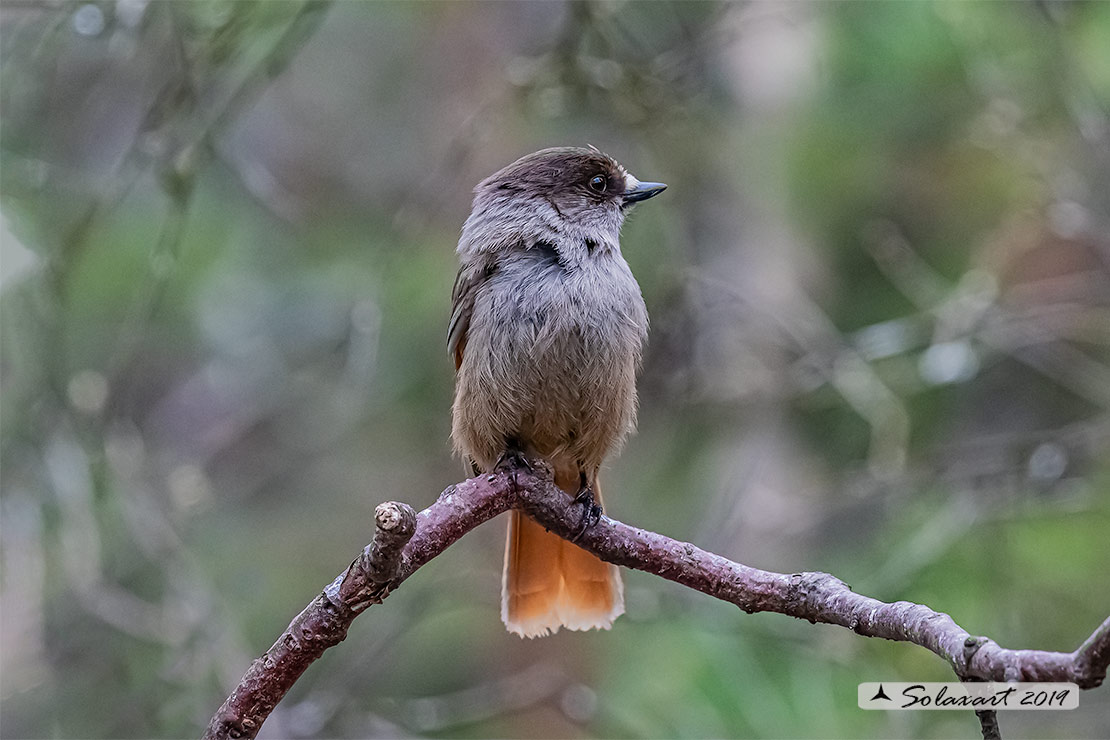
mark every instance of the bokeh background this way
{"type": "Point", "coordinates": [880, 295]}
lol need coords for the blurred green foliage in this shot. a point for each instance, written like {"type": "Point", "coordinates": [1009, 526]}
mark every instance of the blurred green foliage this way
{"type": "Point", "coordinates": [880, 294]}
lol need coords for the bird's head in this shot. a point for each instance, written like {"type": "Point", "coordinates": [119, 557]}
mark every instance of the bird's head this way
{"type": "Point", "coordinates": [560, 196]}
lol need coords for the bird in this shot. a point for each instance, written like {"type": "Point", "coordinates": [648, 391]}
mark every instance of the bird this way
{"type": "Point", "coordinates": [547, 331]}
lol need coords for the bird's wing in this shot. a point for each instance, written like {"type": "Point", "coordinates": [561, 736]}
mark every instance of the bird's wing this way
{"type": "Point", "coordinates": [467, 284]}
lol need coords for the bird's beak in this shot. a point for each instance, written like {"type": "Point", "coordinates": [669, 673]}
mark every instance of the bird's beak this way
{"type": "Point", "coordinates": [643, 191]}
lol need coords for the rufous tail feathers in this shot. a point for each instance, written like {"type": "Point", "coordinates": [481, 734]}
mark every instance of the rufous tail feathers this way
{"type": "Point", "coordinates": [550, 583]}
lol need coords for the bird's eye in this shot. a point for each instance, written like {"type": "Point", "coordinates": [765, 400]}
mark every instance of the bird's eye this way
{"type": "Point", "coordinates": [598, 184]}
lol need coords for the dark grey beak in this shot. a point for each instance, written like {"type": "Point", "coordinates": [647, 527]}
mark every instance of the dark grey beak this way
{"type": "Point", "coordinates": [643, 191]}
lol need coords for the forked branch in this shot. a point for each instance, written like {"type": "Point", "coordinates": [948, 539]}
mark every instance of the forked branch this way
{"type": "Point", "coordinates": [403, 542]}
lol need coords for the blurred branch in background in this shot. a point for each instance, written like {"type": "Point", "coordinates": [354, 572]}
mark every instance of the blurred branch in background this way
{"type": "Point", "coordinates": [404, 541]}
{"type": "Point", "coordinates": [95, 462]}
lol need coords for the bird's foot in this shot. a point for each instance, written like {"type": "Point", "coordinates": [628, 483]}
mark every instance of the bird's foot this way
{"type": "Point", "coordinates": [512, 458]}
{"type": "Point", "coordinates": [592, 511]}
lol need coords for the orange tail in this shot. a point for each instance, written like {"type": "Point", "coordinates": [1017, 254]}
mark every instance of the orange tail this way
{"type": "Point", "coordinates": [550, 583]}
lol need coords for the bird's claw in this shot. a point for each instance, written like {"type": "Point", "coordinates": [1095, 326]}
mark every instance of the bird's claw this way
{"type": "Point", "coordinates": [592, 512]}
{"type": "Point", "coordinates": [512, 458]}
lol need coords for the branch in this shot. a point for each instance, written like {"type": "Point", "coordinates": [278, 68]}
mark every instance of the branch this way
{"type": "Point", "coordinates": [988, 724]}
{"type": "Point", "coordinates": [398, 550]}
